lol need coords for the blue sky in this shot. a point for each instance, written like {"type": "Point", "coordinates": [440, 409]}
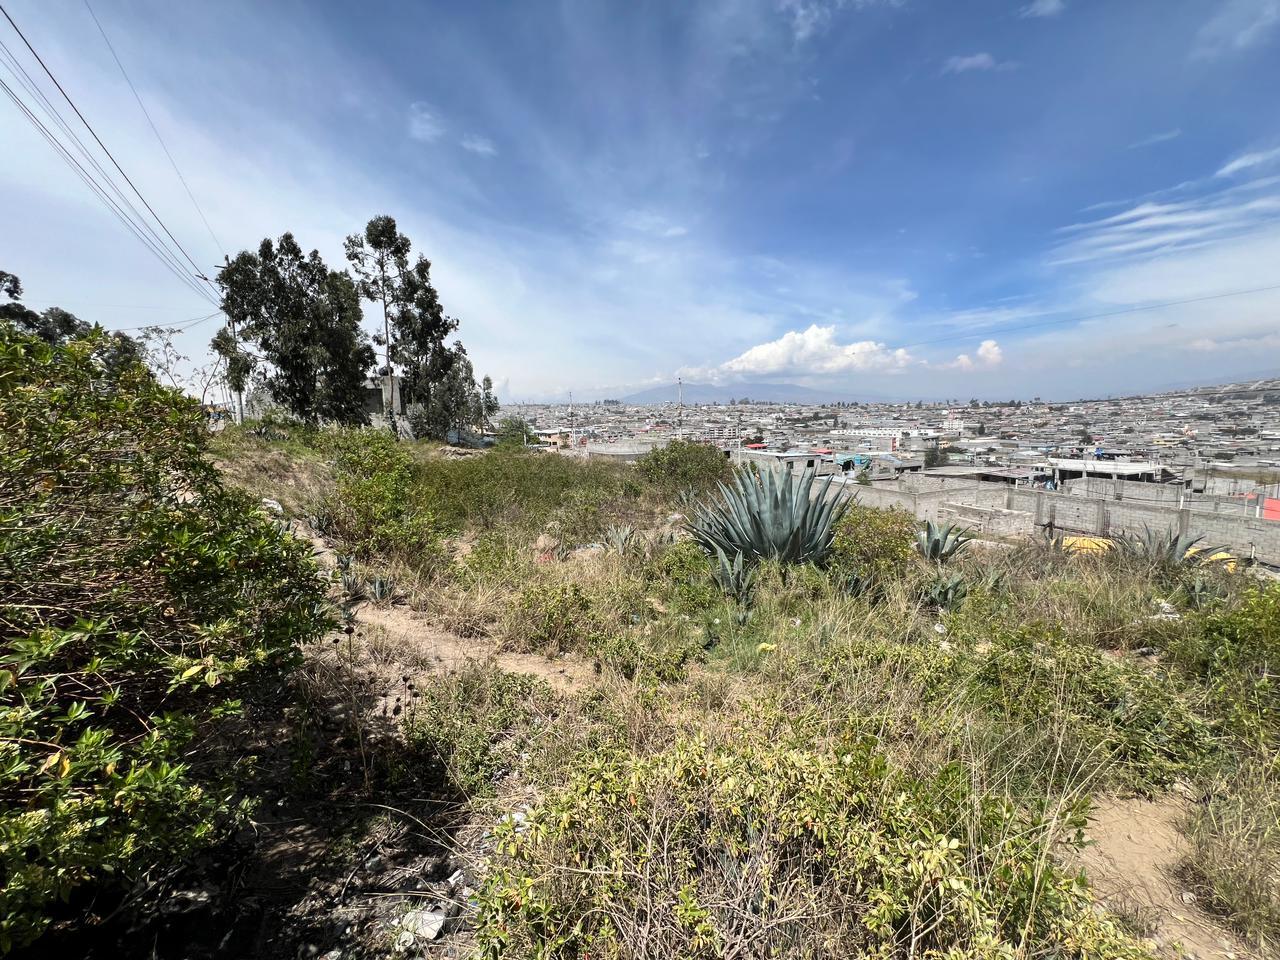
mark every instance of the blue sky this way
{"type": "Point", "coordinates": [914, 198]}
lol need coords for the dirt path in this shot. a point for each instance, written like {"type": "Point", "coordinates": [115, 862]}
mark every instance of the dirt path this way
{"type": "Point", "coordinates": [419, 641]}
{"type": "Point", "coordinates": [1133, 864]}
{"type": "Point", "coordinates": [416, 640]}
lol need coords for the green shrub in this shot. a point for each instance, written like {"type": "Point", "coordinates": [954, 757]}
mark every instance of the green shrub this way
{"type": "Point", "coordinates": [554, 618]}
{"type": "Point", "coordinates": [460, 725]}
{"type": "Point", "coordinates": [646, 654]}
{"type": "Point", "coordinates": [684, 467]}
{"type": "Point", "coordinates": [684, 572]}
{"type": "Point", "coordinates": [879, 541]}
{"type": "Point", "coordinates": [374, 511]}
{"type": "Point", "coordinates": [1236, 653]}
{"type": "Point", "coordinates": [778, 847]}
{"type": "Point", "coordinates": [524, 491]}
{"type": "Point", "coordinates": [1116, 717]}
{"type": "Point", "coordinates": [139, 598]}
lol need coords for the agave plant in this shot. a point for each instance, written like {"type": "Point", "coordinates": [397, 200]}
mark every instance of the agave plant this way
{"type": "Point", "coordinates": [863, 584]}
{"type": "Point", "coordinates": [620, 538]}
{"type": "Point", "coordinates": [382, 589]}
{"type": "Point", "coordinates": [1201, 593]}
{"type": "Point", "coordinates": [1166, 548]}
{"type": "Point", "coordinates": [736, 578]}
{"type": "Point", "coordinates": [775, 515]}
{"type": "Point", "coordinates": [940, 544]}
{"type": "Point", "coordinates": [352, 586]}
{"type": "Point", "coordinates": [945, 593]}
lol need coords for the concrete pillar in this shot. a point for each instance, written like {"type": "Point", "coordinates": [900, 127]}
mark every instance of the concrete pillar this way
{"type": "Point", "coordinates": [1184, 521]}
{"type": "Point", "coordinates": [1100, 520]}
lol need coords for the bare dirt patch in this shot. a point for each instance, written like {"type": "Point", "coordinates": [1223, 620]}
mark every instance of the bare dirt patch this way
{"type": "Point", "coordinates": [1134, 864]}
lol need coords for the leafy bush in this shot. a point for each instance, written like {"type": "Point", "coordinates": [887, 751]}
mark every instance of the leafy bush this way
{"type": "Point", "coordinates": [683, 466]}
{"type": "Point", "coordinates": [460, 724]}
{"type": "Point", "coordinates": [554, 618]}
{"type": "Point", "coordinates": [1236, 652]}
{"type": "Point", "coordinates": [774, 516]}
{"type": "Point", "coordinates": [525, 491]}
{"type": "Point", "coordinates": [374, 510]}
{"type": "Point", "coordinates": [767, 849]}
{"type": "Point", "coordinates": [139, 600]}
{"type": "Point", "coordinates": [881, 542]}
{"type": "Point", "coordinates": [684, 570]}
{"type": "Point", "coordinates": [1122, 719]}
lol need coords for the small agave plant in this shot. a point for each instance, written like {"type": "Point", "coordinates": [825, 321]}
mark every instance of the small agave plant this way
{"type": "Point", "coordinates": [620, 539]}
{"type": "Point", "coordinates": [945, 593]}
{"type": "Point", "coordinates": [940, 544]}
{"type": "Point", "coordinates": [773, 516]}
{"type": "Point", "coordinates": [1166, 548]}
{"type": "Point", "coordinates": [352, 586]}
{"type": "Point", "coordinates": [863, 584]}
{"type": "Point", "coordinates": [382, 589]}
{"type": "Point", "coordinates": [736, 578]}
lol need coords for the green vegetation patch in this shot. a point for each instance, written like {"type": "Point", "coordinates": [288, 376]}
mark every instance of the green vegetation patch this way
{"type": "Point", "coordinates": [140, 599]}
{"type": "Point", "coordinates": [771, 847]}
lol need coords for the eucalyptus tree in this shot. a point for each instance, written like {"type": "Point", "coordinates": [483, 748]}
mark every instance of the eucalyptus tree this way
{"type": "Point", "coordinates": [303, 319]}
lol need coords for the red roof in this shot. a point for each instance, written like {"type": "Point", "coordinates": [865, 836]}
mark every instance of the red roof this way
{"type": "Point", "coordinates": [756, 446]}
{"type": "Point", "coordinates": [824, 450]}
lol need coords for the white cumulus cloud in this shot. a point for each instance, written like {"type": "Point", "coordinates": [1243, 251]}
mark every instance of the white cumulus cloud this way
{"type": "Point", "coordinates": [812, 352]}
{"type": "Point", "coordinates": [989, 356]}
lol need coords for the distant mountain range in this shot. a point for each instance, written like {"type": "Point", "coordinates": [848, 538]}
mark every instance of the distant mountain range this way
{"type": "Point", "coordinates": [759, 392]}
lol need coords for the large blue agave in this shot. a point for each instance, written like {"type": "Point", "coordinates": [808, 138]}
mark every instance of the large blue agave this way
{"type": "Point", "coordinates": [773, 516]}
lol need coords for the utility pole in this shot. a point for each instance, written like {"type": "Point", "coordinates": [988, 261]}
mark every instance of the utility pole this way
{"type": "Point", "coordinates": [679, 407]}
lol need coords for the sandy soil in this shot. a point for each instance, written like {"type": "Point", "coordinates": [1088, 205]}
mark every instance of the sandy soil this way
{"type": "Point", "coordinates": [1133, 863]}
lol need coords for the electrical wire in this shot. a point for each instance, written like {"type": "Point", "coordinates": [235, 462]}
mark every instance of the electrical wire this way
{"type": "Point", "coordinates": [163, 146]}
{"type": "Point", "coordinates": [97, 139]}
{"type": "Point", "coordinates": [101, 193]}
{"type": "Point", "coordinates": [122, 202]}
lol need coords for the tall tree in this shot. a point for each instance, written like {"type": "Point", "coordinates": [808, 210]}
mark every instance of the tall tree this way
{"type": "Point", "coordinates": [304, 320]}
{"type": "Point", "coordinates": [380, 259]}
{"type": "Point", "coordinates": [415, 326]}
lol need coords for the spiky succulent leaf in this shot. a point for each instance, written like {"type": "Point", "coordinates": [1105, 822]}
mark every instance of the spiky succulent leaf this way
{"type": "Point", "coordinates": [774, 515]}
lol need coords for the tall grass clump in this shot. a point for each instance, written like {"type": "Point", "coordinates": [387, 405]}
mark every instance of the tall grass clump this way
{"type": "Point", "coordinates": [139, 599]}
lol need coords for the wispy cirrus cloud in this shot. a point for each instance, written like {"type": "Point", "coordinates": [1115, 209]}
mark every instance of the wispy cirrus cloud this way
{"type": "Point", "coordinates": [1247, 161]}
{"type": "Point", "coordinates": [425, 125]}
{"type": "Point", "coordinates": [481, 146]}
{"type": "Point", "coordinates": [1152, 227]}
{"type": "Point", "coordinates": [1043, 8]}
{"type": "Point", "coordinates": [1155, 138]}
{"type": "Point", "coordinates": [1237, 26]}
{"type": "Point", "coordinates": [810, 17]}
{"type": "Point", "coordinates": [980, 62]}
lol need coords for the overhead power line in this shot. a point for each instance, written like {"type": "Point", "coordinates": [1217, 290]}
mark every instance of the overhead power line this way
{"type": "Point", "coordinates": [103, 179]}
{"type": "Point", "coordinates": [198, 274]}
{"type": "Point", "coordinates": [101, 193]}
{"type": "Point", "coordinates": [163, 146]}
